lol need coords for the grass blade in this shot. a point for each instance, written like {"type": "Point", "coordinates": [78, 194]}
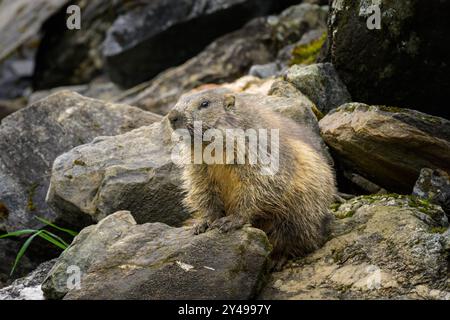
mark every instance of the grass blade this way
{"type": "Point", "coordinates": [17, 233]}
{"type": "Point", "coordinates": [52, 241]}
{"type": "Point", "coordinates": [71, 232]}
{"type": "Point", "coordinates": [23, 249]}
{"type": "Point", "coordinates": [53, 238]}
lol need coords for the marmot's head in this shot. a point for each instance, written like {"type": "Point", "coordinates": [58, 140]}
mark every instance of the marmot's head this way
{"type": "Point", "coordinates": [213, 108]}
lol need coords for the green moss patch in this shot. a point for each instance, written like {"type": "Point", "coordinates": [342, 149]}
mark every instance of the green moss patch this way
{"type": "Point", "coordinates": [438, 229]}
{"type": "Point", "coordinates": [319, 115]}
{"type": "Point", "coordinates": [31, 193]}
{"type": "Point", "coordinates": [335, 206]}
{"type": "Point", "coordinates": [308, 53]}
{"type": "Point", "coordinates": [391, 109]}
{"type": "Point", "coordinates": [345, 214]}
{"type": "Point", "coordinates": [79, 162]}
{"type": "Point", "coordinates": [422, 205]}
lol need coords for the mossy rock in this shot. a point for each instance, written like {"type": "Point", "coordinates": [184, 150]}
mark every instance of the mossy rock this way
{"type": "Point", "coordinates": [386, 248]}
{"type": "Point", "coordinates": [396, 74]}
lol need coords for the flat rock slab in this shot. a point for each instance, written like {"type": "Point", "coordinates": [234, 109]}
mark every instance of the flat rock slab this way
{"type": "Point", "coordinates": [388, 146]}
{"type": "Point", "coordinates": [119, 259]}
{"type": "Point", "coordinates": [381, 247]}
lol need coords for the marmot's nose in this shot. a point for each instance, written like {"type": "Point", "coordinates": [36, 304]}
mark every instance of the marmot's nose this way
{"type": "Point", "coordinates": [175, 118]}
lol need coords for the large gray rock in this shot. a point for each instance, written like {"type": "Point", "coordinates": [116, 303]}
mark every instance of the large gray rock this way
{"type": "Point", "coordinates": [133, 49]}
{"type": "Point", "coordinates": [32, 138]}
{"type": "Point", "coordinates": [230, 56]}
{"type": "Point", "coordinates": [133, 171]}
{"type": "Point", "coordinates": [121, 260]}
{"type": "Point", "coordinates": [320, 83]}
{"type": "Point", "coordinates": [388, 146]}
{"type": "Point", "coordinates": [403, 63]}
{"type": "Point", "coordinates": [20, 24]}
{"type": "Point", "coordinates": [29, 287]}
{"type": "Point", "coordinates": [381, 247]}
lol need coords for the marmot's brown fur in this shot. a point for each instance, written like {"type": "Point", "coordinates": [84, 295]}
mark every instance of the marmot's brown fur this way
{"type": "Point", "coordinates": [291, 206]}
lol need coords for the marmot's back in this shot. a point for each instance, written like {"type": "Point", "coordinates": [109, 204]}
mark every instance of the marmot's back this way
{"type": "Point", "coordinates": [294, 203]}
{"type": "Point", "coordinates": [263, 115]}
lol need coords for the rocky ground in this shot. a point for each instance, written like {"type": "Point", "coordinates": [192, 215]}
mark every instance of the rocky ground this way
{"type": "Point", "coordinates": [85, 144]}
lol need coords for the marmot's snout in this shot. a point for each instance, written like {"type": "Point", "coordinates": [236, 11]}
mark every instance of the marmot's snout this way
{"type": "Point", "coordinates": [176, 119]}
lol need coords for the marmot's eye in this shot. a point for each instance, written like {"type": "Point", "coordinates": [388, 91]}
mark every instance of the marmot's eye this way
{"type": "Point", "coordinates": [204, 104]}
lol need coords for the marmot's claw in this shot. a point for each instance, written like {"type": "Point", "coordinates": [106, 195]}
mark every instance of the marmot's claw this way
{"type": "Point", "coordinates": [201, 227]}
{"type": "Point", "coordinates": [227, 224]}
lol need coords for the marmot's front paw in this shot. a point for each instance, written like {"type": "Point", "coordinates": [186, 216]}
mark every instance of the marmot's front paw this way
{"type": "Point", "coordinates": [228, 223]}
{"type": "Point", "coordinates": [201, 227]}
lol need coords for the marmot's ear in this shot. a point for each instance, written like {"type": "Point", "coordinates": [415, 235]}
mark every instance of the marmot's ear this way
{"type": "Point", "coordinates": [229, 101]}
